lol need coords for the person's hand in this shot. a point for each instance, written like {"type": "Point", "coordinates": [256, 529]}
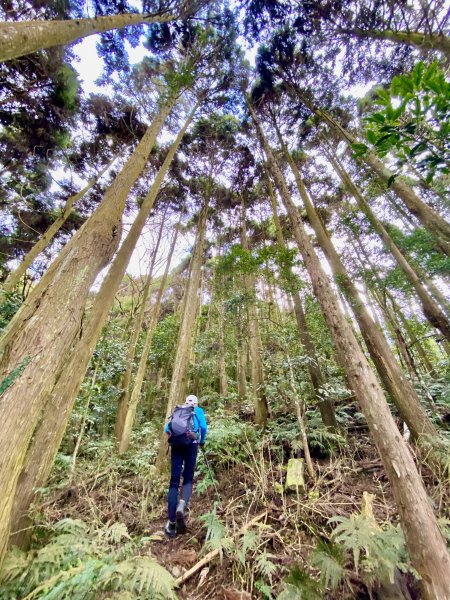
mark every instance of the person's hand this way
{"type": "Point", "coordinates": [202, 444]}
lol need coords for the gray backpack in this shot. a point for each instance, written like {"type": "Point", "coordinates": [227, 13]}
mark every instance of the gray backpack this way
{"type": "Point", "coordinates": [181, 426]}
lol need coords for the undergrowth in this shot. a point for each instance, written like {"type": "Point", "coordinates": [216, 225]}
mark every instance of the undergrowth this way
{"type": "Point", "coordinates": [312, 545]}
{"type": "Point", "coordinates": [80, 562]}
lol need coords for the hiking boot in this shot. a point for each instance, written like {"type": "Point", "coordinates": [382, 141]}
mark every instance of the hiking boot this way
{"type": "Point", "coordinates": [170, 529]}
{"type": "Point", "coordinates": [181, 519]}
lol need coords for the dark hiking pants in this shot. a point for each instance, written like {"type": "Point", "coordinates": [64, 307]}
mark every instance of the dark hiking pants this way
{"type": "Point", "coordinates": [187, 456]}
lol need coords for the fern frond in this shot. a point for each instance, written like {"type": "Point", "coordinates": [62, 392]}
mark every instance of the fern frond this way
{"type": "Point", "coordinates": [72, 526]}
{"type": "Point", "coordinates": [151, 579]}
{"type": "Point", "coordinates": [354, 533]}
{"type": "Point", "coordinates": [265, 566]}
{"type": "Point", "coordinates": [115, 533]}
{"type": "Point", "coordinates": [14, 564]}
{"type": "Point", "coordinates": [249, 541]}
{"type": "Point", "coordinates": [299, 585]}
{"type": "Point", "coordinates": [53, 553]}
{"type": "Point", "coordinates": [330, 560]}
{"type": "Point", "coordinates": [216, 535]}
{"type": "Point", "coordinates": [112, 575]}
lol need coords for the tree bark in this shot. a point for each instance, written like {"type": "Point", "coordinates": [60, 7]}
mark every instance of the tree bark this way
{"type": "Point", "coordinates": [136, 330]}
{"type": "Point", "coordinates": [325, 405]}
{"type": "Point", "coordinates": [223, 381]}
{"type": "Point", "coordinates": [41, 333]}
{"type": "Point", "coordinates": [254, 335]}
{"type": "Point", "coordinates": [15, 276]}
{"type": "Point", "coordinates": [241, 369]}
{"type": "Point", "coordinates": [59, 398]}
{"type": "Point", "coordinates": [416, 344]}
{"type": "Point", "coordinates": [430, 219]}
{"type": "Point", "coordinates": [424, 541]}
{"type": "Point", "coordinates": [135, 396]}
{"type": "Point", "coordinates": [430, 308]}
{"type": "Point", "coordinates": [18, 38]}
{"type": "Point", "coordinates": [186, 334]}
{"type": "Point", "coordinates": [423, 41]}
{"type": "Point", "coordinates": [402, 392]}
{"type": "Point", "coordinates": [82, 428]}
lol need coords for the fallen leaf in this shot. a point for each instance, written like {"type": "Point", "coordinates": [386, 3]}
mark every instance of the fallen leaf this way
{"type": "Point", "coordinates": [203, 573]}
{"type": "Point", "coordinates": [233, 594]}
{"type": "Point", "coordinates": [176, 571]}
{"type": "Point", "coordinates": [185, 557]}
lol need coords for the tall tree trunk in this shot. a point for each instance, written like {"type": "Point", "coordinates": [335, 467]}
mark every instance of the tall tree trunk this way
{"type": "Point", "coordinates": [402, 392]}
{"type": "Point", "coordinates": [430, 219]}
{"type": "Point", "coordinates": [416, 344]}
{"type": "Point", "coordinates": [61, 395]}
{"type": "Point", "coordinates": [39, 336]}
{"type": "Point", "coordinates": [186, 333]}
{"type": "Point", "coordinates": [325, 405]}
{"type": "Point", "coordinates": [366, 262]}
{"type": "Point", "coordinates": [424, 41]}
{"type": "Point", "coordinates": [255, 342]}
{"type": "Point", "coordinates": [131, 406]}
{"type": "Point", "coordinates": [424, 541]}
{"type": "Point", "coordinates": [241, 367]}
{"type": "Point", "coordinates": [136, 330]}
{"type": "Point", "coordinates": [104, 226]}
{"type": "Point", "coordinates": [223, 381]}
{"type": "Point", "coordinates": [18, 38]}
{"type": "Point", "coordinates": [15, 276]}
{"type": "Point", "coordinates": [430, 308]}
{"type": "Point", "coordinates": [82, 427]}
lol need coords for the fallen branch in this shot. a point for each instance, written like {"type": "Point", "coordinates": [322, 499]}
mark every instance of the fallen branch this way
{"type": "Point", "coordinates": [211, 555]}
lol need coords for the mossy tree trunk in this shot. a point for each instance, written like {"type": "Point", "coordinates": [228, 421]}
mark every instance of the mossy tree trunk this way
{"type": "Point", "coordinates": [134, 397]}
{"type": "Point", "coordinates": [136, 329]}
{"type": "Point", "coordinates": [254, 337]}
{"type": "Point", "coordinates": [423, 41]}
{"type": "Point", "coordinates": [241, 361]}
{"type": "Point", "coordinates": [59, 398]}
{"type": "Point", "coordinates": [223, 380]}
{"type": "Point", "coordinates": [187, 327]}
{"type": "Point", "coordinates": [424, 540]}
{"type": "Point", "coordinates": [325, 405]}
{"type": "Point", "coordinates": [47, 325]}
{"type": "Point", "coordinates": [402, 392]}
{"type": "Point", "coordinates": [430, 308]}
{"type": "Point", "coordinates": [18, 38]}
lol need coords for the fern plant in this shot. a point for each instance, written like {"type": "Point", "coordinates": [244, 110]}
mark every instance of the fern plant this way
{"type": "Point", "coordinates": [216, 534]}
{"type": "Point", "coordinates": [330, 559]}
{"type": "Point", "coordinates": [81, 563]}
{"type": "Point", "coordinates": [299, 585]}
{"type": "Point", "coordinates": [376, 552]}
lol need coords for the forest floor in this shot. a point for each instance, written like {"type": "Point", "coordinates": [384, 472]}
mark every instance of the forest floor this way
{"type": "Point", "coordinates": [286, 528]}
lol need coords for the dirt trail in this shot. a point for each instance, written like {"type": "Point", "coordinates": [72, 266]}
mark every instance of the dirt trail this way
{"type": "Point", "coordinates": [287, 534]}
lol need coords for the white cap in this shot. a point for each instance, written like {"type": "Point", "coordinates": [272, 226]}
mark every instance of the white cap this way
{"type": "Point", "coordinates": [191, 399]}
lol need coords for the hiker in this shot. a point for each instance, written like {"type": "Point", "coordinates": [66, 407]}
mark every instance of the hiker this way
{"type": "Point", "coordinates": [186, 430]}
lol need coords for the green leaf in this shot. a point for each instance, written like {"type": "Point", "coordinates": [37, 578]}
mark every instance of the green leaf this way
{"type": "Point", "coordinates": [391, 180]}
{"type": "Point", "coordinates": [359, 149]}
{"type": "Point", "coordinates": [377, 117]}
{"type": "Point", "coordinates": [330, 559]}
{"type": "Point", "coordinates": [371, 136]}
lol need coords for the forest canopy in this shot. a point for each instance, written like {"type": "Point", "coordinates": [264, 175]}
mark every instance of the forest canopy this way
{"type": "Point", "coordinates": [248, 203]}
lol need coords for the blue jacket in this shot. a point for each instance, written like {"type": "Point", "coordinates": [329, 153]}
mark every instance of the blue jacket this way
{"type": "Point", "coordinates": [200, 424]}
